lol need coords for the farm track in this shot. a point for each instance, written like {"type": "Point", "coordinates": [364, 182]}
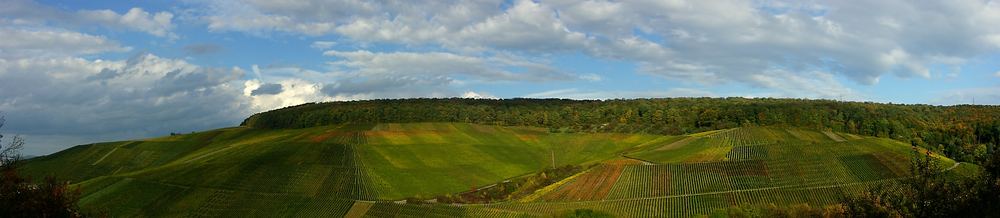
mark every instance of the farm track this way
{"type": "Point", "coordinates": [953, 166]}
{"type": "Point", "coordinates": [834, 136]}
{"type": "Point", "coordinates": [112, 151]}
{"type": "Point", "coordinates": [644, 162]}
{"type": "Point", "coordinates": [676, 144]}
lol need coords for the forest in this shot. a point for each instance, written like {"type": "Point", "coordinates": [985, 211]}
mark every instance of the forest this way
{"type": "Point", "coordinates": [963, 132]}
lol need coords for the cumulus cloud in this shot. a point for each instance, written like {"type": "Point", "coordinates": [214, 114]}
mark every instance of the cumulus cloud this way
{"type": "Point", "coordinates": [708, 42]}
{"type": "Point", "coordinates": [261, 17]}
{"type": "Point", "coordinates": [136, 19]}
{"type": "Point", "coordinates": [292, 92]}
{"type": "Point", "coordinates": [527, 26]}
{"type": "Point", "coordinates": [47, 42]}
{"type": "Point", "coordinates": [390, 87]}
{"type": "Point", "coordinates": [781, 48]}
{"type": "Point", "coordinates": [157, 24]}
{"type": "Point", "coordinates": [814, 84]}
{"type": "Point", "coordinates": [476, 95]}
{"type": "Point", "coordinates": [322, 45]}
{"type": "Point", "coordinates": [143, 95]}
{"type": "Point", "coordinates": [267, 89]}
{"type": "Point", "coordinates": [441, 64]}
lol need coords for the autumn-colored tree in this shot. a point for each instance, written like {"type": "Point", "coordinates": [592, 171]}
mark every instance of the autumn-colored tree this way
{"type": "Point", "coordinates": [19, 197]}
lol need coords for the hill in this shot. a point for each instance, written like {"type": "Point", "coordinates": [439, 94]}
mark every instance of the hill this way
{"type": "Point", "coordinates": [959, 131]}
{"type": "Point", "coordinates": [366, 169]}
{"type": "Point", "coordinates": [320, 165]}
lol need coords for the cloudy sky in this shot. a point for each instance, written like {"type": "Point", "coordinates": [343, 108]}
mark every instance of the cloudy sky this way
{"type": "Point", "coordinates": [74, 72]}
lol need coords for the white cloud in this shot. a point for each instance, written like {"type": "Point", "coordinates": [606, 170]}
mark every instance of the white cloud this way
{"type": "Point", "coordinates": [708, 42]}
{"type": "Point", "coordinates": [42, 42]}
{"type": "Point", "coordinates": [591, 77]}
{"type": "Point", "coordinates": [475, 95]}
{"type": "Point", "coordinates": [814, 84]}
{"type": "Point", "coordinates": [139, 97]}
{"type": "Point", "coordinates": [526, 26]}
{"type": "Point", "coordinates": [226, 15]}
{"type": "Point", "coordinates": [30, 12]}
{"type": "Point", "coordinates": [997, 74]}
{"type": "Point", "coordinates": [294, 92]}
{"type": "Point", "coordinates": [157, 24]}
{"type": "Point", "coordinates": [298, 85]}
{"type": "Point", "coordinates": [322, 45]}
{"type": "Point", "coordinates": [441, 64]}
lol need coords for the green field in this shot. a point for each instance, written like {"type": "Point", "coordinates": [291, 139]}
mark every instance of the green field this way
{"type": "Point", "coordinates": [363, 169]}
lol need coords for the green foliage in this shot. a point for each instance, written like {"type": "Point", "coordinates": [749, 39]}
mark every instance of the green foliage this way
{"type": "Point", "coordinates": [586, 213]}
{"type": "Point", "coordinates": [932, 193]}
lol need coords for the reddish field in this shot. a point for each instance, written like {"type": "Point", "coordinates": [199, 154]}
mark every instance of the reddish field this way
{"type": "Point", "coordinates": [593, 185]}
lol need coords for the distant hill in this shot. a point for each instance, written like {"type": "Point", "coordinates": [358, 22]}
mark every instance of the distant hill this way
{"type": "Point", "coordinates": [956, 131]}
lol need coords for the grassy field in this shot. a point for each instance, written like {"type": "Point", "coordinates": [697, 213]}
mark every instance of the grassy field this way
{"type": "Point", "coordinates": [360, 170]}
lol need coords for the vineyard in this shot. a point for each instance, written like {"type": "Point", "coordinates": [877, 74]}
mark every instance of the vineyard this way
{"type": "Point", "coordinates": [593, 185]}
{"type": "Point", "coordinates": [395, 170]}
{"type": "Point", "coordinates": [783, 168]}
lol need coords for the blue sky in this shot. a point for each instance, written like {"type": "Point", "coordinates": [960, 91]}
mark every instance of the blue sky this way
{"type": "Point", "coordinates": [75, 72]}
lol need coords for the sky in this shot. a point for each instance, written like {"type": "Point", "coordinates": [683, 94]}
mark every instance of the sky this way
{"type": "Point", "coordinates": [77, 72]}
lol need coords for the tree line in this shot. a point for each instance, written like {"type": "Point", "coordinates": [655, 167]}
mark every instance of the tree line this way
{"type": "Point", "coordinates": [963, 132]}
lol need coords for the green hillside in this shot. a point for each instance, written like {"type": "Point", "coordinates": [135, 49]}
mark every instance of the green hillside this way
{"type": "Point", "coordinates": [362, 169]}
{"type": "Point", "coordinates": [963, 132]}
{"type": "Point", "coordinates": [315, 165]}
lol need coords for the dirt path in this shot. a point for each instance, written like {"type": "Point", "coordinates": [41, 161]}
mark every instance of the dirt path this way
{"type": "Point", "coordinates": [952, 167]}
{"type": "Point", "coordinates": [112, 151]}
{"type": "Point", "coordinates": [834, 136]}
{"type": "Point", "coordinates": [359, 209]}
{"type": "Point", "coordinates": [676, 144]}
{"type": "Point", "coordinates": [644, 162]}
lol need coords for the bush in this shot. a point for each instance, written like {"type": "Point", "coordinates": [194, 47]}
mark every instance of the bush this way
{"type": "Point", "coordinates": [19, 197]}
{"type": "Point", "coordinates": [587, 213]}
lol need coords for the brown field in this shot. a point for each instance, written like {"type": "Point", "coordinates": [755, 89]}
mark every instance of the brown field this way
{"type": "Point", "coordinates": [594, 185]}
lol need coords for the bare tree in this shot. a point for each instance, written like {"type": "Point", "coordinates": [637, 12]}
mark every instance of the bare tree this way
{"type": "Point", "coordinates": [10, 154]}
